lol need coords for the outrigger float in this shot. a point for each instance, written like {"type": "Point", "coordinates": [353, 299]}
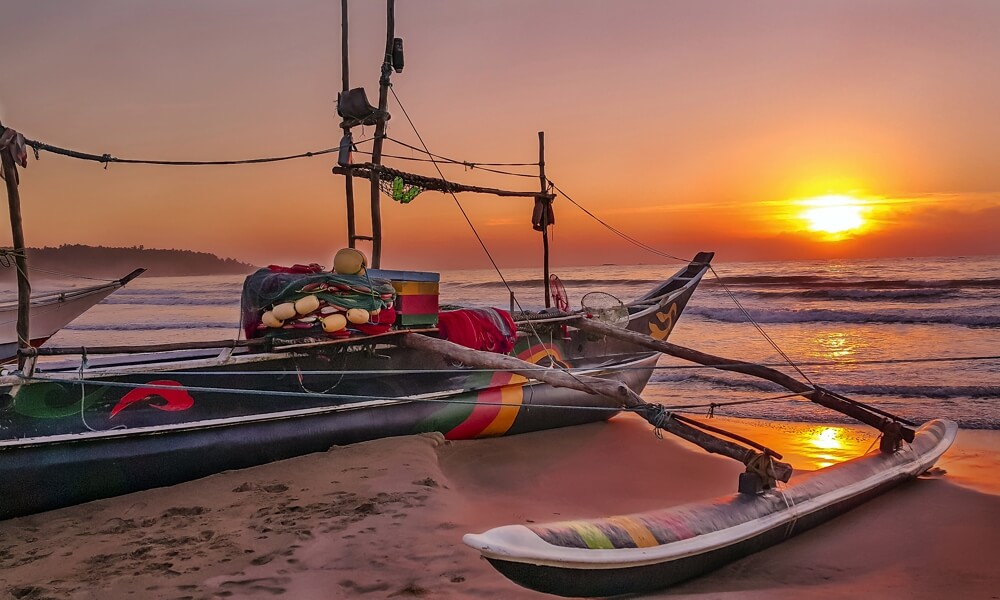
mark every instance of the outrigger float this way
{"type": "Point", "coordinates": [313, 372]}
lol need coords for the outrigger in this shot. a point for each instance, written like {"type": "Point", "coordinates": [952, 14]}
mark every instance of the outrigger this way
{"type": "Point", "coordinates": [312, 374]}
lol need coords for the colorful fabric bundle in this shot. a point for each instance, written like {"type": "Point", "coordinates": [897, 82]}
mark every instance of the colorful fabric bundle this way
{"type": "Point", "coordinates": [300, 301]}
{"type": "Point", "coordinates": [489, 329]}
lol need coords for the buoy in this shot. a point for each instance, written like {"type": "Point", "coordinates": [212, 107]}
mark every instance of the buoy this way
{"type": "Point", "coordinates": [270, 320]}
{"type": "Point", "coordinates": [349, 261]}
{"type": "Point", "coordinates": [334, 323]}
{"type": "Point", "coordinates": [306, 304]}
{"type": "Point", "coordinates": [284, 311]}
{"type": "Point", "coordinates": [357, 316]}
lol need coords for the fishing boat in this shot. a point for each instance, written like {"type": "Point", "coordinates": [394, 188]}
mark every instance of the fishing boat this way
{"type": "Point", "coordinates": [361, 352]}
{"type": "Point", "coordinates": [51, 311]}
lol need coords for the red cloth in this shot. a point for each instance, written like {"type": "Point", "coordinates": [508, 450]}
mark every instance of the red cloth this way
{"type": "Point", "coordinates": [296, 268]}
{"type": "Point", "coordinates": [489, 329]}
{"type": "Point", "coordinates": [379, 324]}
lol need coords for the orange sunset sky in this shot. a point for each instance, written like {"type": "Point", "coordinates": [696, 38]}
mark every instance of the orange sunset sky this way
{"type": "Point", "coordinates": [694, 125]}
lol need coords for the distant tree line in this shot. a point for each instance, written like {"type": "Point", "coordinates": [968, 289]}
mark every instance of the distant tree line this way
{"type": "Point", "coordinates": [112, 262]}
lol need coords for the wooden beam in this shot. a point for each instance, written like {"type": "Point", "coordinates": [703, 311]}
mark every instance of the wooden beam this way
{"type": "Point", "coordinates": [383, 103]}
{"type": "Point", "coordinates": [20, 259]}
{"type": "Point", "coordinates": [544, 183]}
{"type": "Point", "coordinates": [614, 390]}
{"type": "Point", "coordinates": [890, 428]}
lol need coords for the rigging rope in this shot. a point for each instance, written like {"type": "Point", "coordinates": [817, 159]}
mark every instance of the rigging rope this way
{"type": "Point", "coordinates": [108, 158]}
{"type": "Point", "coordinates": [466, 163]}
{"type": "Point", "coordinates": [722, 283]}
{"type": "Point", "coordinates": [758, 327]}
{"type": "Point", "coordinates": [42, 351]}
{"type": "Point", "coordinates": [467, 219]}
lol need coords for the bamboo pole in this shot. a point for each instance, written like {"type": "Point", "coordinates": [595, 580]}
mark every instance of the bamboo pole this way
{"type": "Point", "coordinates": [616, 391]}
{"type": "Point", "coordinates": [383, 103]}
{"type": "Point", "coordinates": [545, 218]}
{"type": "Point", "coordinates": [892, 430]}
{"type": "Point", "coordinates": [345, 70]}
{"type": "Point", "coordinates": [20, 260]}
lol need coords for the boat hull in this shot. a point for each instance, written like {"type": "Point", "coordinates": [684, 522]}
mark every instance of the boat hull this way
{"type": "Point", "coordinates": [113, 425]}
{"type": "Point", "coordinates": [51, 312]}
{"type": "Point", "coordinates": [655, 550]}
{"type": "Point", "coordinates": [50, 473]}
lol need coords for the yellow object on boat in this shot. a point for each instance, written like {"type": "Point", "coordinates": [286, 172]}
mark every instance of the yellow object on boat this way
{"type": "Point", "coordinates": [307, 304]}
{"type": "Point", "coordinates": [358, 316]}
{"type": "Point", "coordinates": [270, 320]}
{"type": "Point", "coordinates": [334, 323]}
{"type": "Point", "coordinates": [284, 311]}
{"type": "Point", "coordinates": [349, 261]}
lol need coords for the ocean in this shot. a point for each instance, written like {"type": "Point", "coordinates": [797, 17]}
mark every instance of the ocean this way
{"type": "Point", "coordinates": [917, 337]}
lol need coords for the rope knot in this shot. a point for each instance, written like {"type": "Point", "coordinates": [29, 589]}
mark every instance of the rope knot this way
{"type": "Point", "coordinates": [658, 416]}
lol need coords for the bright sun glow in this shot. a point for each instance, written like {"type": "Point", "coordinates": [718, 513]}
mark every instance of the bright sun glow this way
{"type": "Point", "coordinates": [827, 438]}
{"type": "Point", "coordinates": [835, 215]}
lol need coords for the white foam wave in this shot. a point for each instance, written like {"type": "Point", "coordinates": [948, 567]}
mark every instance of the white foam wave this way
{"type": "Point", "coordinates": [812, 315]}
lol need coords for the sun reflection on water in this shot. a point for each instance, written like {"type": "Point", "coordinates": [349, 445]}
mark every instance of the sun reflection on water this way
{"type": "Point", "coordinates": [824, 445]}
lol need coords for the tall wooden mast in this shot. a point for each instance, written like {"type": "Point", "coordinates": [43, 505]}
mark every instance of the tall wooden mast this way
{"type": "Point", "coordinates": [17, 237]}
{"type": "Point", "coordinates": [345, 68]}
{"type": "Point", "coordinates": [544, 183]}
{"type": "Point", "coordinates": [383, 102]}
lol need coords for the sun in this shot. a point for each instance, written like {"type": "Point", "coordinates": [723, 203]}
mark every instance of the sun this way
{"type": "Point", "coordinates": [835, 215]}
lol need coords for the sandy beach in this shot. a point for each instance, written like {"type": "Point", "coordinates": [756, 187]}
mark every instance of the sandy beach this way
{"type": "Point", "coordinates": [384, 519]}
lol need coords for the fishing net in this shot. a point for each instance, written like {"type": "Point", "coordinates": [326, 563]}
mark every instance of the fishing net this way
{"type": "Point", "coordinates": [265, 288]}
{"type": "Point", "coordinates": [606, 308]}
{"type": "Point", "coordinates": [398, 190]}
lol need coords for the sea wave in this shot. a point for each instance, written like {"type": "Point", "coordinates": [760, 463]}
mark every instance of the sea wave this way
{"type": "Point", "coordinates": [820, 281]}
{"type": "Point", "coordinates": [861, 295]}
{"type": "Point", "coordinates": [814, 315]}
{"type": "Point", "coordinates": [174, 299]}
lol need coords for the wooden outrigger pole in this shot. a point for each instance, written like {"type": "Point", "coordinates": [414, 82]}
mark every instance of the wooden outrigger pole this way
{"type": "Point", "coordinates": [893, 429]}
{"type": "Point", "coordinates": [20, 259]}
{"type": "Point", "coordinates": [762, 463]}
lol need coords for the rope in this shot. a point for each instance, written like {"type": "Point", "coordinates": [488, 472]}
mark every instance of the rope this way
{"type": "Point", "coordinates": [465, 163]}
{"type": "Point", "coordinates": [670, 256]}
{"type": "Point", "coordinates": [760, 329]}
{"type": "Point", "coordinates": [6, 256]}
{"type": "Point", "coordinates": [74, 275]}
{"type": "Point", "coordinates": [109, 158]}
{"type": "Point", "coordinates": [616, 231]}
{"type": "Point", "coordinates": [307, 395]}
{"type": "Point", "coordinates": [468, 220]}
{"type": "Point", "coordinates": [579, 369]}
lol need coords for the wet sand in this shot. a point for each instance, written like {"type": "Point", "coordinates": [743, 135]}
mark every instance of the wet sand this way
{"type": "Point", "coordinates": [385, 519]}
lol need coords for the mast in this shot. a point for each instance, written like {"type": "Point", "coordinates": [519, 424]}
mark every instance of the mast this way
{"type": "Point", "coordinates": [20, 261]}
{"type": "Point", "coordinates": [545, 217]}
{"type": "Point", "coordinates": [345, 69]}
{"type": "Point", "coordinates": [383, 102]}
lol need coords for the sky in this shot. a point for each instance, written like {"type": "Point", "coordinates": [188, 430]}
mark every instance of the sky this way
{"type": "Point", "coordinates": [687, 125]}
